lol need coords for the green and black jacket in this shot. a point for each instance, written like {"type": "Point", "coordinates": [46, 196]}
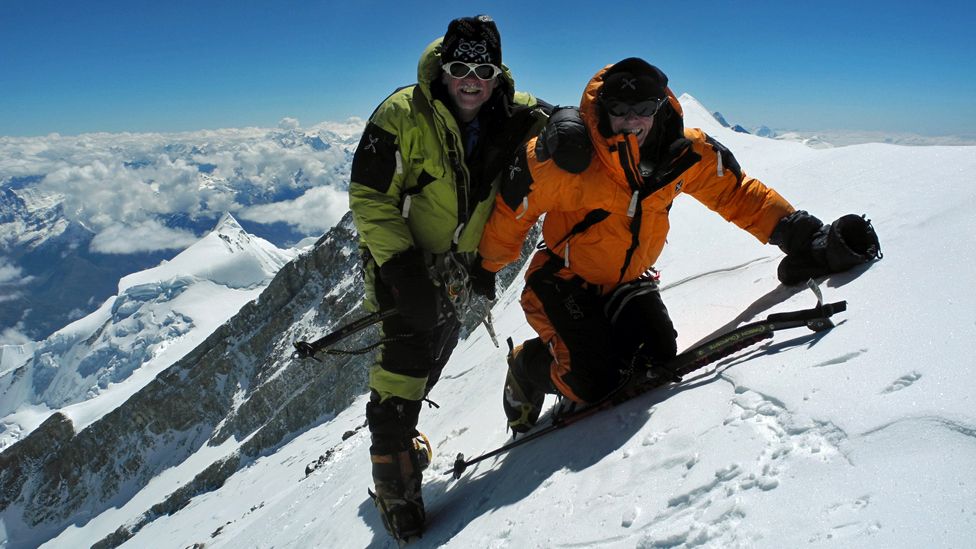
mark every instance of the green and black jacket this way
{"type": "Point", "coordinates": [411, 185]}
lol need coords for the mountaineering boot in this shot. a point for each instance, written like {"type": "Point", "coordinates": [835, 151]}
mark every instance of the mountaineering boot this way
{"type": "Point", "coordinates": [399, 454]}
{"type": "Point", "coordinates": [522, 399]}
{"type": "Point", "coordinates": [397, 478]}
{"type": "Point", "coordinates": [643, 373]}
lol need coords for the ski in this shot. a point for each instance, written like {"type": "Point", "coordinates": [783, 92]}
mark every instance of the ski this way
{"type": "Point", "coordinates": [816, 319]}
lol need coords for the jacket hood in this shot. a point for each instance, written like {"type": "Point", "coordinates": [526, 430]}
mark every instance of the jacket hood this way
{"type": "Point", "coordinates": [664, 126]}
{"type": "Point", "coordinates": [429, 75]}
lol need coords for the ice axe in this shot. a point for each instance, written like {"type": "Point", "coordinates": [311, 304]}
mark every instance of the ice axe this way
{"type": "Point", "coordinates": [304, 349]}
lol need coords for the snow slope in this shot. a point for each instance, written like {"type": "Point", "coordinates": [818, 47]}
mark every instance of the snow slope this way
{"type": "Point", "coordinates": [94, 364]}
{"type": "Point", "coordinates": [861, 437]}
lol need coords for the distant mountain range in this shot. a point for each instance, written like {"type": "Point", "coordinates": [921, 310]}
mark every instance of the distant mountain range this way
{"type": "Point", "coordinates": [79, 213]}
{"type": "Point", "coordinates": [841, 138]}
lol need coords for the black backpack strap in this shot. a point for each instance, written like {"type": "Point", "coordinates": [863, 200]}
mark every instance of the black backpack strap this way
{"type": "Point", "coordinates": [591, 218]}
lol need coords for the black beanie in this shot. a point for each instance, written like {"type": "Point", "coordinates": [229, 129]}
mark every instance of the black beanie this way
{"type": "Point", "coordinates": [472, 40]}
{"type": "Point", "coordinates": [633, 80]}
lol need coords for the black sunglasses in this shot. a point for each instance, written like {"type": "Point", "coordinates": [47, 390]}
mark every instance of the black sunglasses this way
{"type": "Point", "coordinates": [641, 108]}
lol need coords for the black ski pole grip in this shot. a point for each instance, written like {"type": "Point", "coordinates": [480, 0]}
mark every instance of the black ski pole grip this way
{"type": "Point", "coordinates": [304, 349]}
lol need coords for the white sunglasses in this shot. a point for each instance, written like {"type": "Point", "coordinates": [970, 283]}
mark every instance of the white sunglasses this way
{"type": "Point", "coordinates": [460, 69]}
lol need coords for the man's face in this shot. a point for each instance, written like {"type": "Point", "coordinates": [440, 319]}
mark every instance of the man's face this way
{"type": "Point", "coordinates": [632, 123]}
{"type": "Point", "coordinates": [468, 93]}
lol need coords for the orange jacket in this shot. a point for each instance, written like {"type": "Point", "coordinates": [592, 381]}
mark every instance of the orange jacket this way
{"type": "Point", "coordinates": [599, 254]}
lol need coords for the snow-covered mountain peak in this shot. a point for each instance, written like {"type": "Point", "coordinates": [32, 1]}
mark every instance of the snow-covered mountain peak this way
{"type": "Point", "coordinates": [697, 115]}
{"type": "Point", "coordinates": [227, 224]}
{"type": "Point", "coordinates": [228, 256]}
{"type": "Point", "coordinates": [157, 316]}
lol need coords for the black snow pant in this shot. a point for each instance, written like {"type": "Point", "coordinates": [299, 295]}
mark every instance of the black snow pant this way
{"type": "Point", "coordinates": [408, 366]}
{"type": "Point", "coordinates": [593, 338]}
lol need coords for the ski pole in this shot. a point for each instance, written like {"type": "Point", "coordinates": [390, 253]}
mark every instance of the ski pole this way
{"type": "Point", "coordinates": [304, 349]}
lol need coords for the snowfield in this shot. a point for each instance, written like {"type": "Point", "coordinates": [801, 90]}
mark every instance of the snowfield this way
{"type": "Point", "coordinates": [863, 436]}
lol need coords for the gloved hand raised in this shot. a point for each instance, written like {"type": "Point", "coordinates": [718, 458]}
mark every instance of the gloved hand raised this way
{"type": "Point", "coordinates": [417, 299]}
{"type": "Point", "coordinates": [814, 249]}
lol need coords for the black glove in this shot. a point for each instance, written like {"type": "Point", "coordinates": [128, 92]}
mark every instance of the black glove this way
{"type": "Point", "coordinates": [416, 297]}
{"type": "Point", "coordinates": [566, 140]}
{"type": "Point", "coordinates": [814, 249]}
{"type": "Point", "coordinates": [482, 280]}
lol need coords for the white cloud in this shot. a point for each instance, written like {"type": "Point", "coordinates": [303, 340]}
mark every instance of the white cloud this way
{"type": "Point", "coordinates": [105, 181]}
{"type": "Point", "coordinates": [351, 128]}
{"type": "Point", "coordinates": [12, 336]}
{"type": "Point", "coordinates": [288, 123]}
{"type": "Point", "coordinates": [9, 273]}
{"type": "Point", "coordinates": [146, 236]}
{"type": "Point", "coordinates": [315, 212]}
{"type": "Point", "coordinates": [12, 296]}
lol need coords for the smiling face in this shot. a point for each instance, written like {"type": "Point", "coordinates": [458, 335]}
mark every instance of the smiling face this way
{"type": "Point", "coordinates": [632, 123]}
{"type": "Point", "coordinates": [468, 94]}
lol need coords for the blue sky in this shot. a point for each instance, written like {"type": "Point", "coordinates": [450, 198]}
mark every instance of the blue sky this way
{"type": "Point", "coordinates": [74, 67]}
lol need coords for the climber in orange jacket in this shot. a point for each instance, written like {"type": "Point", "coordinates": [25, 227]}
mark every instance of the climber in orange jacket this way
{"type": "Point", "coordinates": [605, 177]}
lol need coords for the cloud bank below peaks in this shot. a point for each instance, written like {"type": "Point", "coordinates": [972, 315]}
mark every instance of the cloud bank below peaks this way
{"type": "Point", "coordinates": [145, 192]}
{"type": "Point", "coordinates": [145, 236]}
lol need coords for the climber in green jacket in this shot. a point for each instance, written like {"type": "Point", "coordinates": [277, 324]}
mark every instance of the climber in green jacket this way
{"type": "Point", "coordinates": [423, 184]}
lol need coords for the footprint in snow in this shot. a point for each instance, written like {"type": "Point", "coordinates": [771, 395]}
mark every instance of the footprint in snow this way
{"type": "Point", "coordinates": [903, 382]}
{"type": "Point", "coordinates": [841, 359]}
{"type": "Point", "coordinates": [630, 516]}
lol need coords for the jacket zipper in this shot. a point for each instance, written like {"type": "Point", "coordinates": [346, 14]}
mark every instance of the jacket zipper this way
{"type": "Point", "coordinates": [461, 178]}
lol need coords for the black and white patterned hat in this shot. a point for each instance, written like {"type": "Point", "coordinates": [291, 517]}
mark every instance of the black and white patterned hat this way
{"type": "Point", "coordinates": [472, 40]}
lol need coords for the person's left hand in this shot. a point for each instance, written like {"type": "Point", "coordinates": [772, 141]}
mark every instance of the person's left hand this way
{"type": "Point", "coordinates": [814, 249]}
